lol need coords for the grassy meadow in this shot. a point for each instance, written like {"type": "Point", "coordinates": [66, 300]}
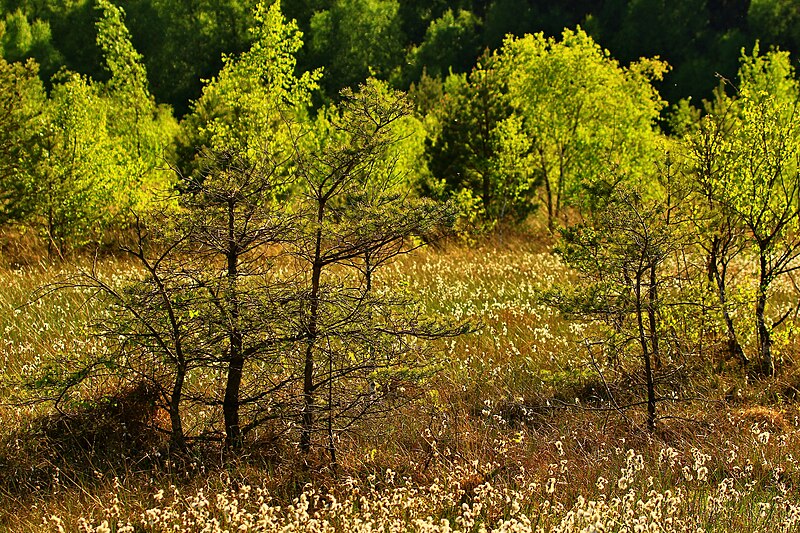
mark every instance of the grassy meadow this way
{"type": "Point", "coordinates": [521, 429]}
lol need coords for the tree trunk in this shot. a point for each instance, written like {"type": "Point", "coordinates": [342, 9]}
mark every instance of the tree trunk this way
{"type": "Point", "coordinates": [487, 194]}
{"type": "Point", "coordinates": [764, 340]}
{"type": "Point", "coordinates": [230, 404]}
{"type": "Point", "coordinates": [560, 184]}
{"type": "Point", "coordinates": [648, 370]}
{"type": "Point", "coordinates": [549, 196]}
{"type": "Point", "coordinates": [652, 304]}
{"type": "Point", "coordinates": [307, 425]}
{"type": "Point", "coordinates": [177, 439]}
{"type": "Point", "coordinates": [331, 436]}
{"type": "Point", "coordinates": [717, 278]}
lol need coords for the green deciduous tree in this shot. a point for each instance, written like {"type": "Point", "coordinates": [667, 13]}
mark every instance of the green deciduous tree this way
{"type": "Point", "coordinates": [356, 39]}
{"type": "Point", "coordinates": [76, 169]}
{"type": "Point", "coordinates": [721, 235]}
{"type": "Point", "coordinates": [584, 114]}
{"type": "Point", "coordinates": [478, 148]}
{"type": "Point", "coordinates": [72, 27]}
{"type": "Point", "coordinates": [143, 131]}
{"type": "Point", "coordinates": [417, 15]}
{"type": "Point", "coordinates": [775, 22]}
{"type": "Point", "coordinates": [99, 146]}
{"type": "Point", "coordinates": [22, 98]}
{"type": "Point", "coordinates": [451, 44]}
{"type": "Point", "coordinates": [752, 172]}
{"type": "Point", "coordinates": [21, 39]}
{"type": "Point", "coordinates": [248, 106]}
{"type": "Point", "coordinates": [183, 41]}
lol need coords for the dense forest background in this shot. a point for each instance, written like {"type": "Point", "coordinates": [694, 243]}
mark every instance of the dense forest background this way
{"type": "Point", "coordinates": [183, 42]}
{"type": "Point", "coordinates": [101, 97]}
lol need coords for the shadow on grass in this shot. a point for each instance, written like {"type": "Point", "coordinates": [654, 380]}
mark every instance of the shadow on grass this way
{"type": "Point", "coordinates": [112, 435]}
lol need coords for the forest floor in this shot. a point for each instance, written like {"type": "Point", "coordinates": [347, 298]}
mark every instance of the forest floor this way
{"type": "Point", "coordinates": [520, 430]}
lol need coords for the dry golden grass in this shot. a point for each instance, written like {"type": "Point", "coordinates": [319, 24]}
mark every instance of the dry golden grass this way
{"type": "Point", "coordinates": [495, 442]}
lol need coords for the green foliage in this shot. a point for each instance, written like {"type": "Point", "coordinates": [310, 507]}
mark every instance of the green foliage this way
{"type": "Point", "coordinates": [72, 25]}
{"type": "Point", "coordinates": [418, 15]}
{"type": "Point", "coordinates": [694, 37]}
{"type": "Point", "coordinates": [584, 114]}
{"type": "Point", "coordinates": [22, 98]}
{"type": "Point", "coordinates": [355, 216]}
{"type": "Point", "coordinates": [451, 44]}
{"type": "Point", "coordinates": [94, 149]}
{"type": "Point", "coordinates": [183, 42]}
{"type": "Point", "coordinates": [356, 39]}
{"type": "Point", "coordinates": [508, 17]}
{"type": "Point", "coordinates": [143, 131]}
{"type": "Point", "coordinates": [677, 21]}
{"type": "Point", "coordinates": [269, 306]}
{"type": "Point", "coordinates": [477, 146]}
{"type": "Point", "coordinates": [21, 39]}
{"type": "Point", "coordinates": [746, 155]}
{"type": "Point", "coordinates": [405, 157]}
{"type": "Point", "coordinates": [74, 187]}
{"type": "Point", "coordinates": [250, 105]}
{"type": "Point", "coordinates": [776, 22]}
{"type": "Point", "coordinates": [621, 255]}
{"type": "Point", "coordinates": [123, 62]}
{"type": "Point", "coordinates": [761, 183]}
{"type": "Point", "coordinates": [683, 118]}
{"type": "Point", "coordinates": [378, 171]}
{"type": "Point", "coordinates": [521, 17]}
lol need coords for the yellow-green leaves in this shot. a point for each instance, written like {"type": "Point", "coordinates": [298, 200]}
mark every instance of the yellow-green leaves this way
{"type": "Point", "coordinates": [93, 150]}
{"type": "Point", "coordinates": [758, 146]}
{"type": "Point", "coordinates": [21, 98]}
{"type": "Point", "coordinates": [143, 132]}
{"type": "Point", "coordinates": [479, 149]}
{"type": "Point", "coordinates": [75, 189]}
{"type": "Point", "coordinates": [557, 113]}
{"type": "Point", "coordinates": [745, 162]}
{"type": "Point", "coordinates": [586, 115]}
{"type": "Point", "coordinates": [249, 104]}
{"type": "Point", "coordinates": [122, 60]}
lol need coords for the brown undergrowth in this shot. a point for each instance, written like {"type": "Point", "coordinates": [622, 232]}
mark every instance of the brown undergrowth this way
{"type": "Point", "coordinates": [518, 431]}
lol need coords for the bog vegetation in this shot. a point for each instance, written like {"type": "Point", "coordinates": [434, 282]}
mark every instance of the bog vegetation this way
{"type": "Point", "coordinates": [416, 284]}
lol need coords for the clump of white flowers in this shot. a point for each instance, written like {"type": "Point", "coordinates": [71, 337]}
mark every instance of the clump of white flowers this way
{"type": "Point", "coordinates": [456, 503]}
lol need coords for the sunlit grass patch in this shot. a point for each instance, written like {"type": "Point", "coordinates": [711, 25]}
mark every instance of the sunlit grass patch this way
{"type": "Point", "coordinates": [517, 431]}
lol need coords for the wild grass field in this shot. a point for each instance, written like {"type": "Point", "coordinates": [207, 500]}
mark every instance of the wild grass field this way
{"type": "Point", "coordinates": [521, 429]}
